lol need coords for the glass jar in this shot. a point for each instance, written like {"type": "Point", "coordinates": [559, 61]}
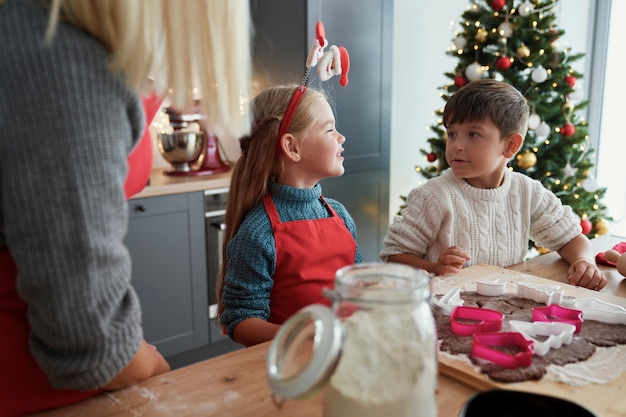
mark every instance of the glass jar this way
{"type": "Point", "coordinates": [372, 354]}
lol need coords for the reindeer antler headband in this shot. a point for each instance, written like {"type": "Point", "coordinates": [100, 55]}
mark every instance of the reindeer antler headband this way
{"type": "Point", "coordinates": [335, 61]}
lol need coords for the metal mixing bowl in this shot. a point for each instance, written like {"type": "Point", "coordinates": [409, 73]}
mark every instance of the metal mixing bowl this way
{"type": "Point", "coordinates": [181, 149]}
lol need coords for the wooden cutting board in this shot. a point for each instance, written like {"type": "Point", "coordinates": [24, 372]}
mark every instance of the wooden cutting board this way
{"type": "Point", "coordinates": [606, 400]}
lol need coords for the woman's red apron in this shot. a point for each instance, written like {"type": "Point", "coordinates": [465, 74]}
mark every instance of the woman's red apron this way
{"type": "Point", "coordinates": [25, 387]}
{"type": "Point", "coordinates": [308, 253]}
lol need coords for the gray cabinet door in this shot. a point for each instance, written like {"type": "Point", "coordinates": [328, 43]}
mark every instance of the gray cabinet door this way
{"type": "Point", "coordinates": [166, 242]}
{"type": "Point", "coordinates": [284, 32]}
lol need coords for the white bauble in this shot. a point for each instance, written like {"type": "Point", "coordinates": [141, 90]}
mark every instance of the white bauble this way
{"type": "Point", "coordinates": [474, 71]}
{"type": "Point", "coordinates": [505, 29]}
{"type": "Point", "coordinates": [543, 130]}
{"type": "Point", "coordinates": [460, 42]}
{"type": "Point", "coordinates": [534, 121]}
{"type": "Point", "coordinates": [590, 184]}
{"type": "Point", "coordinates": [539, 75]}
{"type": "Point", "coordinates": [525, 9]}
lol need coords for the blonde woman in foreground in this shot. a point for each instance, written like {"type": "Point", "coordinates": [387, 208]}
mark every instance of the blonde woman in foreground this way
{"type": "Point", "coordinates": [72, 73]}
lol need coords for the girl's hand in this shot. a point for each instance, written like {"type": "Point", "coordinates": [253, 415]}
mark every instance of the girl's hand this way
{"type": "Point", "coordinates": [451, 260]}
{"type": "Point", "coordinates": [585, 273]}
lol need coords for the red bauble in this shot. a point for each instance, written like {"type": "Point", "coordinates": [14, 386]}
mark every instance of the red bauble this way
{"type": "Point", "coordinates": [571, 80]}
{"type": "Point", "coordinates": [503, 63]}
{"type": "Point", "coordinates": [568, 130]}
{"type": "Point", "coordinates": [498, 4]}
{"type": "Point", "coordinates": [431, 157]}
{"type": "Point", "coordinates": [460, 81]}
{"type": "Point", "coordinates": [586, 226]}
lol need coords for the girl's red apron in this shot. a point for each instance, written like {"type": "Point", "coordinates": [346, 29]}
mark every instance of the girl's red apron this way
{"type": "Point", "coordinates": [24, 388]}
{"type": "Point", "coordinates": [308, 253]}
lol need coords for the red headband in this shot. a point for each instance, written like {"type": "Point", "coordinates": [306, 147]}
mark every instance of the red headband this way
{"type": "Point", "coordinates": [291, 110]}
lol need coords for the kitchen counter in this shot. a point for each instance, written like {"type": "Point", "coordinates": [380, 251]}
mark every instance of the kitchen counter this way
{"type": "Point", "coordinates": [162, 184]}
{"type": "Point", "coordinates": [235, 384]}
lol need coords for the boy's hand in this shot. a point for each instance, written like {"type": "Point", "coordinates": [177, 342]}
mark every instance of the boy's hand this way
{"type": "Point", "coordinates": [451, 260]}
{"type": "Point", "coordinates": [585, 273]}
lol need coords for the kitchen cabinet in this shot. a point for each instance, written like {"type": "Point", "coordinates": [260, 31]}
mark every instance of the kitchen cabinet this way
{"type": "Point", "coordinates": [284, 31]}
{"type": "Point", "coordinates": [166, 241]}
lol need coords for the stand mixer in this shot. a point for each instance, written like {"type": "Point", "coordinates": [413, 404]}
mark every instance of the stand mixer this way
{"type": "Point", "coordinates": [191, 153]}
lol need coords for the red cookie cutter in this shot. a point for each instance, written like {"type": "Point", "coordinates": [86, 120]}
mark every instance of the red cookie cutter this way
{"type": "Point", "coordinates": [484, 343]}
{"type": "Point", "coordinates": [484, 320]}
{"type": "Point", "coordinates": [555, 312]}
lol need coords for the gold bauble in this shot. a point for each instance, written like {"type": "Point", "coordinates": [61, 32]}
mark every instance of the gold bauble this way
{"type": "Point", "coordinates": [523, 51]}
{"type": "Point", "coordinates": [526, 160]}
{"type": "Point", "coordinates": [601, 226]}
{"type": "Point", "coordinates": [481, 35]}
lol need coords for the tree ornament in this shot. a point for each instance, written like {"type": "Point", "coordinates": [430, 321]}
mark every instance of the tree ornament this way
{"type": "Point", "coordinates": [460, 42]}
{"type": "Point", "coordinates": [602, 226]}
{"type": "Point", "coordinates": [523, 51]}
{"type": "Point", "coordinates": [567, 107]}
{"type": "Point", "coordinates": [497, 5]}
{"type": "Point", "coordinates": [526, 160]}
{"type": "Point", "coordinates": [590, 184]}
{"type": "Point", "coordinates": [460, 81]}
{"type": "Point", "coordinates": [543, 130]}
{"type": "Point", "coordinates": [569, 170]}
{"type": "Point", "coordinates": [568, 130]}
{"type": "Point", "coordinates": [586, 225]}
{"type": "Point", "coordinates": [525, 9]}
{"type": "Point", "coordinates": [505, 29]}
{"type": "Point", "coordinates": [539, 74]}
{"type": "Point", "coordinates": [431, 157]}
{"type": "Point", "coordinates": [534, 121]}
{"type": "Point", "coordinates": [503, 63]}
{"type": "Point", "coordinates": [474, 71]}
{"type": "Point", "coordinates": [481, 35]}
{"type": "Point", "coordinates": [571, 80]}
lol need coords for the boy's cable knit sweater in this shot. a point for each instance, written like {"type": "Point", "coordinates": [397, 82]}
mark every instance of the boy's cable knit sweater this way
{"type": "Point", "coordinates": [492, 225]}
{"type": "Point", "coordinates": [252, 252]}
{"type": "Point", "coordinates": [68, 125]}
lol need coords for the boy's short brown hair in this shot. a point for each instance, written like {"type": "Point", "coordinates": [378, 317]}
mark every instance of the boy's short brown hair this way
{"type": "Point", "coordinates": [501, 102]}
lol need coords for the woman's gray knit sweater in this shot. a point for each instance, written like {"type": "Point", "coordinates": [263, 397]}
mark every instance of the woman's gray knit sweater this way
{"type": "Point", "coordinates": [67, 126]}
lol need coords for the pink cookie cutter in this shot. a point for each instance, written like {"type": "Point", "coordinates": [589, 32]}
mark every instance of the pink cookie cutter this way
{"type": "Point", "coordinates": [557, 333]}
{"type": "Point", "coordinates": [559, 313]}
{"type": "Point", "coordinates": [484, 347]}
{"type": "Point", "coordinates": [466, 320]}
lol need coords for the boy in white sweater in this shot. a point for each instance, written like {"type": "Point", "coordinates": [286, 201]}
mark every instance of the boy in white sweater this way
{"type": "Point", "coordinates": [479, 211]}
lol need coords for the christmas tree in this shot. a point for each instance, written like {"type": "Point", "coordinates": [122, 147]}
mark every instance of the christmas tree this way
{"type": "Point", "coordinates": [515, 41]}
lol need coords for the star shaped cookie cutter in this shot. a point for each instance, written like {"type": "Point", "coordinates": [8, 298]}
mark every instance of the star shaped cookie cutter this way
{"type": "Point", "coordinates": [466, 320]}
{"type": "Point", "coordinates": [557, 313]}
{"type": "Point", "coordinates": [484, 346]}
{"type": "Point", "coordinates": [557, 333]}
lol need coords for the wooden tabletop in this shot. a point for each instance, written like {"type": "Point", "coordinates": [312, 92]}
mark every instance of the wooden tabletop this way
{"type": "Point", "coordinates": [235, 384]}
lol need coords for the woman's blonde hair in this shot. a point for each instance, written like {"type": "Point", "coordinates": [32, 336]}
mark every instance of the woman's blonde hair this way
{"type": "Point", "coordinates": [261, 164]}
{"type": "Point", "coordinates": [183, 50]}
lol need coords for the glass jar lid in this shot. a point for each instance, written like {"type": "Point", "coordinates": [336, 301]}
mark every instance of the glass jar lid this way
{"type": "Point", "coordinates": [305, 352]}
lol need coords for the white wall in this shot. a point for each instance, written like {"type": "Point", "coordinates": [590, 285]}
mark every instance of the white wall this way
{"type": "Point", "coordinates": [423, 30]}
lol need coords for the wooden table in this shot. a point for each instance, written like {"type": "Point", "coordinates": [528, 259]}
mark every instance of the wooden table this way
{"type": "Point", "coordinates": [235, 384]}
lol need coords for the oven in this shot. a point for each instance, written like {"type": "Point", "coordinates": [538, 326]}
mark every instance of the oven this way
{"type": "Point", "coordinates": [214, 211]}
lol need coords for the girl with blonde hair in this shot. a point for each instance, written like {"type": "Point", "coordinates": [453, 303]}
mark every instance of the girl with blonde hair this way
{"type": "Point", "coordinates": [72, 72]}
{"type": "Point", "coordinates": [284, 241]}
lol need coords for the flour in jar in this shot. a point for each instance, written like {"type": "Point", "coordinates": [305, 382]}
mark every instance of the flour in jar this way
{"type": "Point", "coordinates": [387, 367]}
